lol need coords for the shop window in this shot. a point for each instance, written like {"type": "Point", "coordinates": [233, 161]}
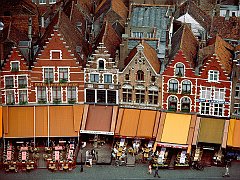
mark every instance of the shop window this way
{"type": "Point", "coordinates": [219, 94]}
{"type": "Point", "coordinates": [23, 97]}
{"type": "Point", "coordinates": [206, 93]}
{"type": "Point", "coordinates": [185, 104]}
{"type": "Point", "coordinates": [72, 94]}
{"type": "Point", "coordinates": [140, 95]}
{"type": "Point", "coordinates": [213, 76]}
{"type": "Point", "coordinates": [127, 95]}
{"type": "Point", "coordinates": [107, 78]}
{"type": "Point", "coordinates": [56, 94]}
{"type": "Point", "coordinates": [94, 78]}
{"type": "Point", "coordinates": [236, 110]}
{"type": "Point", "coordinates": [179, 70]}
{"type": "Point", "coordinates": [55, 54]}
{"type": "Point", "coordinates": [140, 75]}
{"type": "Point", "coordinates": [111, 97]}
{"type": "Point", "coordinates": [205, 108]}
{"type": "Point", "coordinates": [172, 103]}
{"type": "Point", "coordinates": [101, 64]}
{"type": "Point", "coordinates": [10, 97]}
{"type": "Point", "coordinates": [22, 81]}
{"type": "Point", "coordinates": [63, 75]}
{"type": "Point", "coordinates": [237, 91]}
{"type": "Point", "coordinates": [9, 82]}
{"type": "Point", "coordinates": [186, 87]}
{"type": "Point", "coordinates": [14, 66]}
{"type": "Point", "coordinates": [126, 77]}
{"type": "Point", "coordinates": [90, 96]}
{"type": "Point", "coordinates": [173, 86]}
{"type": "Point", "coordinates": [218, 109]}
{"type": "Point", "coordinates": [101, 96]}
{"type": "Point", "coordinates": [41, 94]}
{"type": "Point", "coordinates": [153, 97]}
{"type": "Point", "coordinates": [48, 75]}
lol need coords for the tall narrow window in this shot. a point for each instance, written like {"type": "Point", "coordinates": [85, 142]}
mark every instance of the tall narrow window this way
{"type": "Point", "coordinates": [9, 82]}
{"type": "Point", "coordinates": [14, 66]}
{"type": "Point", "coordinates": [205, 108]}
{"type": "Point", "coordinates": [41, 94]}
{"type": "Point", "coordinates": [10, 97]}
{"type": "Point", "coordinates": [185, 104]}
{"type": "Point", "coordinates": [127, 95]}
{"type": "Point", "coordinates": [101, 96]}
{"type": "Point", "coordinates": [56, 93]}
{"type": "Point", "coordinates": [94, 78]}
{"type": "Point", "coordinates": [90, 96]}
{"type": "Point", "coordinates": [63, 75]}
{"type": "Point", "coordinates": [23, 96]}
{"type": "Point", "coordinates": [186, 87]}
{"type": "Point", "coordinates": [72, 94]}
{"type": "Point", "coordinates": [173, 86]}
{"type": "Point", "coordinates": [111, 97]}
{"type": "Point", "coordinates": [172, 103]}
{"type": "Point", "coordinates": [107, 78]}
{"type": "Point", "coordinates": [140, 95]}
{"type": "Point", "coordinates": [179, 70]}
{"type": "Point", "coordinates": [153, 97]}
{"type": "Point", "coordinates": [236, 110]}
{"type": "Point", "coordinates": [22, 81]}
{"type": "Point", "coordinates": [140, 75]}
{"type": "Point", "coordinates": [101, 64]}
{"type": "Point", "coordinates": [48, 75]}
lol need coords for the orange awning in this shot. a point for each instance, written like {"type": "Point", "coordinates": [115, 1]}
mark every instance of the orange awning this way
{"type": "Point", "coordinates": [41, 115]}
{"type": "Point", "coordinates": [62, 121]}
{"type": "Point", "coordinates": [99, 119]}
{"type": "Point", "coordinates": [146, 123]}
{"type": "Point", "coordinates": [1, 122]}
{"type": "Point", "coordinates": [129, 122]}
{"type": "Point", "coordinates": [234, 133]}
{"type": "Point", "coordinates": [19, 122]}
{"type": "Point", "coordinates": [77, 116]}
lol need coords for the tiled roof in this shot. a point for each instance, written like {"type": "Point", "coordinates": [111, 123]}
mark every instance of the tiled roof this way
{"type": "Point", "coordinates": [193, 10]}
{"type": "Point", "coordinates": [226, 28]}
{"type": "Point", "coordinates": [150, 54]}
{"type": "Point", "coordinates": [109, 37]}
{"type": "Point", "coordinates": [183, 39]}
{"type": "Point", "coordinates": [222, 49]}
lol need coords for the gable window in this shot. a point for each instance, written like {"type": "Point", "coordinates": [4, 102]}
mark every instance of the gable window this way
{"type": "Point", "coordinates": [173, 86]}
{"type": "Point", "coordinates": [140, 95]}
{"type": "Point", "coordinates": [218, 109]}
{"type": "Point", "coordinates": [71, 94]}
{"type": "Point", "coordinates": [205, 108]}
{"type": "Point", "coordinates": [185, 104]}
{"type": "Point", "coordinates": [9, 82]}
{"type": "Point", "coordinates": [22, 81]}
{"type": "Point", "coordinates": [52, 1]}
{"type": "Point", "coordinates": [219, 94]}
{"type": "Point", "coordinates": [153, 79]}
{"type": "Point", "coordinates": [127, 94]}
{"type": "Point", "coordinates": [56, 93]}
{"type": "Point", "coordinates": [41, 94]}
{"type": "Point", "coordinates": [107, 78]}
{"type": "Point", "coordinates": [236, 110]}
{"type": "Point", "coordinates": [90, 95]}
{"type": "Point", "coordinates": [101, 96]}
{"type": "Point", "coordinates": [213, 76]}
{"type": "Point", "coordinates": [55, 54]}
{"type": "Point", "coordinates": [14, 66]}
{"type": "Point", "coordinates": [23, 96]}
{"type": "Point", "coordinates": [42, 1]}
{"type": "Point", "coordinates": [206, 93]}
{"type": "Point", "coordinates": [172, 103]}
{"type": "Point", "coordinates": [94, 78]}
{"type": "Point", "coordinates": [111, 97]}
{"type": "Point", "coordinates": [153, 97]}
{"type": "Point", "coordinates": [127, 77]}
{"type": "Point", "coordinates": [237, 91]}
{"type": "Point", "coordinates": [48, 75]}
{"type": "Point", "coordinates": [10, 99]}
{"type": "Point", "coordinates": [186, 87]}
{"type": "Point", "coordinates": [140, 75]}
{"type": "Point", "coordinates": [179, 70]}
{"type": "Point", "coordinates": [63, 75]}
{"type": "Point", "coordinates": [101, 64]}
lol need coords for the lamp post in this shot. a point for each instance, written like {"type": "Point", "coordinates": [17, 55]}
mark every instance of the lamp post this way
{"type": "Point", "coordinates": [81, 168]}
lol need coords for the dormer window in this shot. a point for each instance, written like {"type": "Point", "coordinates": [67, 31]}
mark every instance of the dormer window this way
{"type": "Point", "coordinates": [213, 76]}
{"type": "Point", "coordinates": [42, 1]}
{"type": "Point", "coordinates": [14, 66]}
{"type": "Point", "coordinates": [101, 64]}
{"type": "Point", "coordinates": [179, 70]}
{"type": "Point", "coordinates": [55, 54]}
{"type": "Point", "coordinates": [140, 75]}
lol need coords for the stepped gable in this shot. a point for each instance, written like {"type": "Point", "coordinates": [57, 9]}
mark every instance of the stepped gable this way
{"type": "Point", "coordinates": [183, 39]}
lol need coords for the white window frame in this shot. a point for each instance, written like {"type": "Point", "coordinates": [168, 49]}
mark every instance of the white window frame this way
{"type": "Point", "coordinates": [68, 75]}
{"type": "Point", "coordinates": [237, 91]}
{"type": "Point", "coordinates": [94, 78]}
{"type": "Point", "coordinates": [46, 93]}
{"type": "Point", "coordinates": [41, 2]}
{"type": "Point", "coordinates": [215, 75]}
{"type": "Point", "coordinates": [52, 51]}
{"type": "Point", "coordinates": [236, 109]}
{"type": "Point", "coordinates": [175, 69]}
{"type": "Point", "coordinates": [15, 62]}
{"type": "Point", "coordinates": [61, 90]}
{"type": "Point", "coordinates": [206, 92]}
{"type": "Point", "coordinates": [218, 107]}
{"type": "Point", "coordinates": [219, 94]}
{"type": "Point", "coordinates": [205, 105]}
{"type": "Point", "coordinates": [108, 75]}
{"type": "Point", "coordinates": [14, 96]}
{"type": "Point", "coordinates": [46, 67]}
{"type": "Point", "coordinates": [104, 61]}
{"type": "Point", "coordinates": [13, 80]}
{"type": "Point", "coordinates": [52, 1]}
{"type": "Point", "coordinates": [19, 95]}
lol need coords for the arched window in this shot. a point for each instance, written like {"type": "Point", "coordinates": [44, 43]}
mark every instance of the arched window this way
{"type": "Point", "coordinates": [140, 75]}
{"type": "Point", "coordinates": [100, 64]}
{"type": "Point", "coordinates": [186, 87]}
{"type": "Point", "coordinates": [179, 70]}
{"type": "Point", "coordinates": [185, 104]}
{"type": "Point", "coordinates": [173, 86]}
{"type": "Point", "coordinates": [172, 103]}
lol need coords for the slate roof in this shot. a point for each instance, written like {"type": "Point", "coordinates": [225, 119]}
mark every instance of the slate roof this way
{"type": "Point", "coordinates": [226, 28]}
{"type": "Point", "coordinates": [183, 39]}
{"type": "Point", "coordinates": [195, 12]}
{"type": "Point", "coordinates": [222, 49]}
{"type": "Point", "coordinates": [109, 37]}
{"type": "Point", "coordinates": [150, 54]}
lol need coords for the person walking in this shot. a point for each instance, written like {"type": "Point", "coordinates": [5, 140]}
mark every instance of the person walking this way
{"type": "Point", "coordinates": [149, 169]}
{"type": "Point", "coordinates": [156, 172]}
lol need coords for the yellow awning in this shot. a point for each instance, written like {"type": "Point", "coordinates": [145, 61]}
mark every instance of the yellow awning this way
{"type": "Point", "coordinates": [1, 122]}
{"type": "Point", "coordinates": [176, 128]}
{"type": "Point", "coordinates": [234, 133]}
{"type": "Point", "coordinates": [211, 130]}
{"type": "Point", "coordinates": [129, 122]}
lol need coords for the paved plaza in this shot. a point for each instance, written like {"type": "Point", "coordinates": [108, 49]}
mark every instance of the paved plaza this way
{"type": "Point", "coordinates": [137, 172]}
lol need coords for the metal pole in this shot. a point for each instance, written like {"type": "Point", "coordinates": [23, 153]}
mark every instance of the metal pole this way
{"type": "Point", "coordinates": [48, 126]}
{"type": "Point", "coordinates": [34, 124]}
